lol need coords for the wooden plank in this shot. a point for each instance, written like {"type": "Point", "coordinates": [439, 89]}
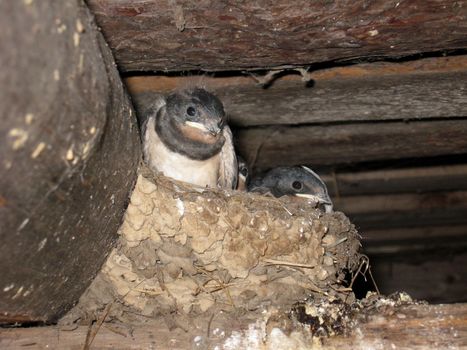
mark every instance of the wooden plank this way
{"type": "Point", "coordinates": [376, 98]}
{"type": "Point", "coordinates": [438, 277]}
{"type": "Point", "coordinates": [404, 210]}
{"type": "Point", "coordinates": [403, 327]}
{"type": "Point", "coordinates": [339, 94]}
{"type": "Point", "coordinates": [422, 240]}
{"type": "Point", "coordinates": [421, 179]}
{"type": "Point", "coordinates": [230, 35]}
{"type": "Point", "coordinates": [378, 237]}
{"type": "Point", "coordinates": [350, 143]}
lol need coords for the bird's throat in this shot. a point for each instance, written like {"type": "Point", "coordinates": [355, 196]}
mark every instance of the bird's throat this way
{"type": "Point", "coordinates": [186, 140]}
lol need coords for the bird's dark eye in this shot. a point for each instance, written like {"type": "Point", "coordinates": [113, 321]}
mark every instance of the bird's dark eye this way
{"type": "Point", "coordinates": [244, 172]}
{"type": "Point", "coordinates": [191, 111]}
{"type": "Point", "coordinates": [297, 185]}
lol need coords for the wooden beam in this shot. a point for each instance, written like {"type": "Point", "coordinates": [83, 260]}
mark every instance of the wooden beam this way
{"type": "Point", "coordinates": [408, 327]}
{"type": "Point", "coordinates": [438, 277]}
{"type": "Point", "coordinates": [402, 91]}
{"type": "Point", "coordinates": [350, 143]}
{"type": "Point", "coordinates": [379, 237]}
{"type": "Point", "coordinates": [227, 35]}
{"type": "Point", "coordinates": [404, 210]}
{"type": "Point", "coordinates": [440, 241]}
{"type": "Point", "coordinates": [418, 180]}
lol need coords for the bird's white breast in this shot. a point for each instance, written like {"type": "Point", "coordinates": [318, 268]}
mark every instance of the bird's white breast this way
{"type": "Point", "coordinates": [160, 158]}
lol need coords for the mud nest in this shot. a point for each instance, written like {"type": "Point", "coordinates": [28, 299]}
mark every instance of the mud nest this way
{"type": "Point", "coordinates": [191, 251]}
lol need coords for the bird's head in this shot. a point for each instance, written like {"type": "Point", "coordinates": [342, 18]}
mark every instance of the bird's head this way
{"type": "Point", "coordinates": [300, 182]}
{"type": "Point", "coordinates": [198, 114]}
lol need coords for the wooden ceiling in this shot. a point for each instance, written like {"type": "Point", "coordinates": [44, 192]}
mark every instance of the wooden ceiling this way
{"type": "Point", "coordinates": [389, 137]}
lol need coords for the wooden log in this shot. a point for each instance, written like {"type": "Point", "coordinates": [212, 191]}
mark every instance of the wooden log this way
{"type": "Point", "coordinates": [350, 143]}
{"type": "Point", "coordinates": [404, 327]}
{"type": "Point", "coordinates": [227, 35]}
{"type": "Point", "coordinates": [402, 243]}
{"type": "Point", "coordinates": [402, 91]}
{"type": "Point", "coordinates": [437, 276]}
{"type": "Point", "coordinates": [69, 149]}
{"type": "Point", "coordinates": [404, 236]}
{"type": "Point", "coordinates": [402, 210]}
{"type": "Point", "coordinates": [417, 180]}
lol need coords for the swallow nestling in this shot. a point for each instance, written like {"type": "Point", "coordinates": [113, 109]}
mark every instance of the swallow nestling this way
{"type": "Point", "coordinates": [185, 136]}
{"type": "Point", "coordinates": [243, 174]}
{"type": "Point", "coordinates": [293, 181]}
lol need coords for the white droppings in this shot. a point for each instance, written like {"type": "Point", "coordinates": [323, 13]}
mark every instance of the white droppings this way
{"type": "Point", "coordinates": [7, 164]}
{"type": "Point", "coordinates": [76, 39]}
{"type": "Point", "coordinates": [38, 150]}
{"type": "Point", "coordinates": [23, 224]}
{"type": "Point", "coordinates": [69, 154]}
{"type": "Point", "coordinates": [79, 26]}
{"type": "Point", "coordinates": [250, 339]}
{"type": "Point", "coordinates": [373, 32]}
{"type": "Point", "coordinates": [92, 130]}
{"type": "Point", "coordinates": [197, 339]}
{"type": "Point", "coordinates": [61, 27]}
{"type": "Point", "coordinates": [18, 293]}
{"type": "Point", "coordinates": [19, 137]}
{"type": "Point", "coordinates": [218, 332]}
{"type": "Point", "coordinates": [28, 118]}
{"type": "Point", "coordinates": [180, 206]}
{"type": "Point", "coordinates": [397, 4]}
{"type": "Point", "coordinates": [73, 238]}
{"type": "Point", "coordinates": [56, 75]}
{"type": "Point", "coordinates": [9, 287]}
{"type": "Point", "coordinates": [81, 63]}
{"type": "Point", "coordinates": [86, 149]}
{"type": "Point", "coordinates": [42, 244]}
{"type": "Point", "coordinates": [112, 199]}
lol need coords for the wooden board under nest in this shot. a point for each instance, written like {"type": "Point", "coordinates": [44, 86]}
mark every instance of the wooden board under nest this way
{"type": "Point", "coordinates": [188, 253]}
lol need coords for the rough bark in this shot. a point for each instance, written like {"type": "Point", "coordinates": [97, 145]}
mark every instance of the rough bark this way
{"type": "Point", "coordinates": [69, 150]}
{"type": "Point", "coordinates": [228, 35]}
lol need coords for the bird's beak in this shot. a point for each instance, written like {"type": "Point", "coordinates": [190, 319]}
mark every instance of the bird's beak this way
{"type": "Point", "coordinates": [325, 201]}
{"type": "Point", "coordinates": [212, 129]}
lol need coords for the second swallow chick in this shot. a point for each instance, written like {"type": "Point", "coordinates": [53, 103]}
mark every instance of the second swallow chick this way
{"type": "Point", "coordinates": [298, 181]}
{"type": "Point", "coordinates": [243, 174]}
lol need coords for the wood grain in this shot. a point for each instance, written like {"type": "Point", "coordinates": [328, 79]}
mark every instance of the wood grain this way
{"type": "Point", "coordinates": [350, 143]}
{"type": "Point", "coordinates": [403, 327]}
{"type": "Point", "coordinates": [404, 210]}
{"type": "Point", "coordinates": [162, 35]}
{"type": "Point", "coordinates": [403, 180]}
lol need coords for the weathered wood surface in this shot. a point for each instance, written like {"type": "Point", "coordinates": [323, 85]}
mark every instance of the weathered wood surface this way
{"type": "Point", "coordinates": [436, 275]}
{"type": "Point", "coordinates": [405, 209]}
{"type": "Point", "coordinates": [350, 143]}
{"type": "Point", "coordinates": [69, 149]}
{"type": "Point", "coordinates": [407, 327]}
{"type": "Point", "coordinates": [379, 91]}
{"type": "Point", "coordinates": [400, 239]}
{"type": "Point", "coordinates": [411, 179]}
{"type": "Point", "coordinates": [163, 35]}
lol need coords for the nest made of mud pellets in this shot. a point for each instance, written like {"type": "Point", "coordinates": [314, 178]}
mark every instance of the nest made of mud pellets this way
{"type": "Point", "coordinates": [193, 251]}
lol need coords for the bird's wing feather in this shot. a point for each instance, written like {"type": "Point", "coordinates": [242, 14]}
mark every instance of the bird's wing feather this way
{"type": "Point", "coordinates": [157, 101]}
{"type": "Point", "coordinates": [228, 170]}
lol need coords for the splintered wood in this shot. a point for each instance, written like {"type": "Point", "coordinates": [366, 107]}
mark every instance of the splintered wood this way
{"type": "Point", "coordinates": [190, 251]}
